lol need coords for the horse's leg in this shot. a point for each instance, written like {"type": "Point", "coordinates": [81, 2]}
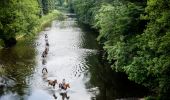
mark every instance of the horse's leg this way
{"type": "Point", "coordinates": [55, 97]}
{"type": "Point", "coordinates": [63, 97]}
{"type": "Point", "coordinates": [67, 96]}
{"type": "Point", "coordinates": [46, 70]}
{"type": "Point", "coordinates": [48, 83]}
{"type": "Point", "coordinates": [42, 70]}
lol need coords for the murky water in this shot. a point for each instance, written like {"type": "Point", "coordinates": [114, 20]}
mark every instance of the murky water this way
{"type": "Point", "coordinates": [73, 55]}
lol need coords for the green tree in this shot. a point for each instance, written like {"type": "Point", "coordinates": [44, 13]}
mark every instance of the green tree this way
{"type": "Point", "coordinates": [48, 5]}
{"type": "Point", "coordinates": [135, 35]}
{"type": "Point", "coordinates": [17, 17]}
{"type": "Point", "coordinates": [153, 53]}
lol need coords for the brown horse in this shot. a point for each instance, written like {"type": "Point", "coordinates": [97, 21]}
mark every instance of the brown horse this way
{"type": "Point", "coordinates": [64, 94]}
{"type": "Point", "coordinates": [44, 54]}
{"type": "Point", "coordinates": [64, 86]}
{"type": "Point", "coordinates": [52, 83]}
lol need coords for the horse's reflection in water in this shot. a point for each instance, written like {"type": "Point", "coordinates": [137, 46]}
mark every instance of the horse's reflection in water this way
{"type": "Point", "coordinates": [53, 93]}
{"type": "Point", "coordinates": [65, 96]}
{"type": "Point", "coordinates": [55, 97]}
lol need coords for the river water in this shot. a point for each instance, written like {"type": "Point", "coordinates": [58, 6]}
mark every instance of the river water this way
{"type": "Point", "coordinates": [73, 55]}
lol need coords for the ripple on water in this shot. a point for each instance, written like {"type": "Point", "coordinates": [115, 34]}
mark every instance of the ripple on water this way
{"type": "Point", "coordinates": [66, 59]}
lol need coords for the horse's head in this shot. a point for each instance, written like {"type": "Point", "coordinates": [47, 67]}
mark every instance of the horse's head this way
{"type": "Point", "coordinates": [55, 81]}
{"type": "Point", "coordinates": [68, 85]}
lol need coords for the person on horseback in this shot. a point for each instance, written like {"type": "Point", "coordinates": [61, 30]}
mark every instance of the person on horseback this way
{"type": "Point", "coordinates": [44, 69]}
{"type": "Point", "coordinates": [62, 85]}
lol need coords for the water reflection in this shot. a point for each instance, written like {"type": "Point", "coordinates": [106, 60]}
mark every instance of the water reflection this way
{"type": "Point", "coordinates": [65, 50]}
{"type": "Point", "coordinates": [18, 63]}
{"type": "Point", "coordinates": [112, 85]}
{"type": "Point", "coordinates": [65, 96]}
{"type": "Point", "coordinates": [104, 83]}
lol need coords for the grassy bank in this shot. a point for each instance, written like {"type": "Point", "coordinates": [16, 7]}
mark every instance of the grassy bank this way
{"type": "Point", "coordinates": [40, 25]}
{"type": "Point", "coordinates": [46, 20]}
{"type": "Point", "coordinates": [43, 21]}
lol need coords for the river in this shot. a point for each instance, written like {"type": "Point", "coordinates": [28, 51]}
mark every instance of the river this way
{"type": "Point", "coordinates": [74, 56]}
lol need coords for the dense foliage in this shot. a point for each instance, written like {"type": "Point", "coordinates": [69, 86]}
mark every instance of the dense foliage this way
{"type": "Point", "coordinates": [20, 17]}
{"type": "Point", "coordinates": [15, 16]}
{"type": "Point", "coordinates": [135, 34]}
{"type": "Point", "coordinates": [48, 5]}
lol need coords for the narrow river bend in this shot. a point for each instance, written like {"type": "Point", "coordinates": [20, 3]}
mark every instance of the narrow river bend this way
{"type": "Point", "coordinates": [73, 55]}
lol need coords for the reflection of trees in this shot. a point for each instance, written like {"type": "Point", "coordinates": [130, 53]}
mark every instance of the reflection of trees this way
{"type": "Point", "coordinates": [18, 64]}
{"type": "Point", "coordinates": [112, 84]}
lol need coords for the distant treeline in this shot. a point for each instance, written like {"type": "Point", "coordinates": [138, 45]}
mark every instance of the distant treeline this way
{"type": "Point", "coordinates": [136, 37]}
{"type": "Point", "coordinates": [20, 17]}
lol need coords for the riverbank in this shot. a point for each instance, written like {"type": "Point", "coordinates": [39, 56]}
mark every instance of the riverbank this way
{"type": "Point", "coordinates": [134, 39]}
{"type": "Point", "coordinates": [71, 53]}
{"type": "Point", "coordinates": [43, 22]}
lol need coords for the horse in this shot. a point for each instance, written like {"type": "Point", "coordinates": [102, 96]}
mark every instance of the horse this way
{"type": "Point", "coordinates": [46, 49]}
{"type": "Point", "coordinates": [46, 36]}
{"type": "Point", "coordinates": [64, 86]}
{"type": "Point", "coordinates": [52, 83]}
{"type": "Point", "coordinates": [44, 69]}
{"type": "Point", "coordinates": [44, 54]}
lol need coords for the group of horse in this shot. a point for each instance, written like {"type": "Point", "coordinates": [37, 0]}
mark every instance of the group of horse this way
{"type": "Point", "coordinates": [62, 87]}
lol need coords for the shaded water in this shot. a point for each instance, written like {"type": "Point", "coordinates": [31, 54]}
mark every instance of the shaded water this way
{"type": "Point", "coordinates": [73, 55]}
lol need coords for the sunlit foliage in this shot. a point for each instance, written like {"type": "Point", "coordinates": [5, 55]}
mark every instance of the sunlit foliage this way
{"type": "Point", "coordinates": [135, 35]}
{"type": "Point", "coordinates": [21, 17]}
{"type": "Point", "coordinates": [16, 17]}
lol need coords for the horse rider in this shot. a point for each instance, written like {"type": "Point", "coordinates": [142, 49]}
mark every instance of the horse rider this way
{"type": "Point", "coordinates": [62, 85]}
{"type": "Point", "coordinates": [44, 69]}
